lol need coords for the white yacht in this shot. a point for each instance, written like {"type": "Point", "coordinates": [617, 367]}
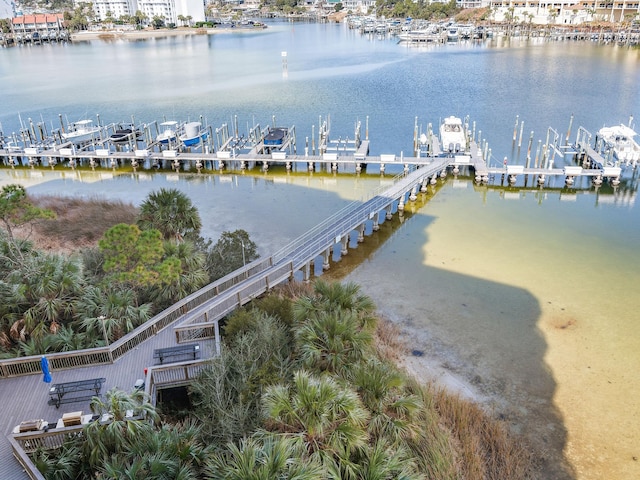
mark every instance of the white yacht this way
{"type": "Point", "coordinates": [619, 138]}
{"type": "Point", "coordinates": [452, 135]}
{"type": "Point", "coordinates": [81, 132]}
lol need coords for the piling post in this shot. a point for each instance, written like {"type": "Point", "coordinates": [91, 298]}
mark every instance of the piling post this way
{"type": "Point", "coordinates": [415, 137]}
{"type": "Point", "coordinates": [515, 128]}
{"type": "Point", "coordinates": [529, 147]}
{"type": "Point", "coordinates": [566, 140]}
{"type": "Point", "coordinates": [535, 164]}
{"type": "Point", "coordinates": [521, 128]}
{"type": "Point", "coordinates": [366, 131]}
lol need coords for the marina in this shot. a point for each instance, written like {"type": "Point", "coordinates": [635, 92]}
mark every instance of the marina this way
{"type": "Point", "coordinates": [190, 146]}
{"type": "Point", "coordinates": [521, 291]}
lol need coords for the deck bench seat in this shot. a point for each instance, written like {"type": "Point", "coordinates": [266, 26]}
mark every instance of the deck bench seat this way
{"type": "Point", "coordinates": [186, 351]}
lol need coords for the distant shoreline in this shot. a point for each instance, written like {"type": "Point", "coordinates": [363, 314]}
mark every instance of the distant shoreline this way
{"type": "Point", "coordinates": [156, 33]}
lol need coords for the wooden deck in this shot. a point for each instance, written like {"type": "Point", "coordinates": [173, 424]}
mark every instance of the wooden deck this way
{"type": "Point", "coordinates": [25, 398]}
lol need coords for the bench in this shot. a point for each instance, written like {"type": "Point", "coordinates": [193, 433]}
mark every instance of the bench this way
{"type": "Point", "coordinates": [31, 426]}
{"type": "Point", "coordinates": [71, 392]}
{"type": "Point", "coordinates": [177, 353]}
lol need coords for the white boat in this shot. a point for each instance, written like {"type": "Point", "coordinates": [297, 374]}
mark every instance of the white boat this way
{"type": "Point", "coordinates": [193, 134]}
{"type": "Point", "coordinates": [452, 135]}
{"type": "Point", "coordinates": [168, 133]}
{"type": "Point", "coordinates": [453, 33]}
{"type": "Point", "coordinates": [619, 138]}
{"type": "Point", "coordinates": [81, 132]}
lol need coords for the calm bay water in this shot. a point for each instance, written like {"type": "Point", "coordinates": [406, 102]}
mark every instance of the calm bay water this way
{"type": "Point", "coordinates": [530, 296]}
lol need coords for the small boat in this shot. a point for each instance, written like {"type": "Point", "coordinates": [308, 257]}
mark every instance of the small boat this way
{"type": "Point", "coordinates": [452, 135]}
{"type": "Point", "coordinates": [619, 138]}
{"type": "Point", "coordinates": [124, 133]}
{"type": "Point", "coordinates": [275, 136]}
{"type": "Point", "coordinates": [168, 133]}
{"type": "Point", "coordinates": [453, 33]}
{"type": "Point", "coordinates": [81, 132]}
{"type": "Point", "coordinates": [193, 134]}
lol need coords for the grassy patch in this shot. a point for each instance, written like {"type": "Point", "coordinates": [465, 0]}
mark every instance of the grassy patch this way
{"type": "Point", "coordinates": [79, 222]}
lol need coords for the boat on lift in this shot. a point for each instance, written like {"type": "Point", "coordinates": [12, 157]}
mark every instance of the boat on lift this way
{"type": "Point", "coordinates": [81, 131]}
{"type": "Point", "coordinates": [452, 135]}
{"type": "Point", "coordinates": [193, 134]}
{"type": "Point", "coordinates": [619, 139]}
{"type": "Point", "coordinates": [168, 133]}
{"type": "Point", "coordinates": [125, 133]}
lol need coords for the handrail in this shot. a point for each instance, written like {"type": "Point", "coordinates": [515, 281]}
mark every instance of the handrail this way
{"type": "Point", "coordinates": [105, 355]}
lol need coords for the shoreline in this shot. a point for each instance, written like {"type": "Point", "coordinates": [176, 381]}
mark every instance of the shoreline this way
{"type": "Point", "coordinates": [86, 35]}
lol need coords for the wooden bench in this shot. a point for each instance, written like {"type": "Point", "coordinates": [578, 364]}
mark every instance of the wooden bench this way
{"type": "Point", "coordinates": [72, 392]}
{"type": "Point", "coordinates": [31, 426]}
{"type": "Point", "coordinates": [177, 353]}
{"type": "Point", "coordinates": [72, 418]}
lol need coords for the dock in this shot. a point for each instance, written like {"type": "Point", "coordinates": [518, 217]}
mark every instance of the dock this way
{"type": "Point", "coordinates": [226, 147]}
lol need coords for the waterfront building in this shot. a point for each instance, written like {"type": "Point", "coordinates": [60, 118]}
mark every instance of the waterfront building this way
{"type": "Point", "coordinates": [564, 12]}
{"type": "Point", "coordinates": [168, 10]}
{"type": "Point", "coordinates": [40, 25]}
{"type": "Point", "coordinates": [117, 8]}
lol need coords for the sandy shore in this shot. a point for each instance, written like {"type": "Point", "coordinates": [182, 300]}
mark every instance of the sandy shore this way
{"type": "Point", "coordinates": [151, 33]}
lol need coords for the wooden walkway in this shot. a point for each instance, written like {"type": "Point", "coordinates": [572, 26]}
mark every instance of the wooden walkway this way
{"type": "Point", "coordinates": [25, 398]}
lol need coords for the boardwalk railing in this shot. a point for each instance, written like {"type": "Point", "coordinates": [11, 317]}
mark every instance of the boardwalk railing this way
{"type": "Point", "coordinates": [104, 355]}
{"type": "Point", "coordinates": [201, 323]}
{"type": "Point", "coordinates": [286, 262]}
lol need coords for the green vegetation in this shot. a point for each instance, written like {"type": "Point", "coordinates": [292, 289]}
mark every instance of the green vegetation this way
{"type": "Point", "coordinates": [311, 395]}
{"type": "Point", "coordinates": [420, 9]}
{"type": "Point", "coordinates": [84, 295]}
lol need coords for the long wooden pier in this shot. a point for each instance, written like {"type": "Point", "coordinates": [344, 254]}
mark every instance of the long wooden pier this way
{"type": "Point", "coordinates": [194, 319]}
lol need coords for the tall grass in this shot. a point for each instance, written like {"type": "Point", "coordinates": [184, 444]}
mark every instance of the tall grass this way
{"type": "Point", "coordinates": [80, 221]}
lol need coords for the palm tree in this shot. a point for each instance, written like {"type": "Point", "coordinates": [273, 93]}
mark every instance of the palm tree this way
{"type": "Point", "coordinates": [121, 430]}
{"type": "Point", "coordinates": [264, 457]}
{"type": "Point", "coordinates": [110, 313]}
{"type": "Point", "coordinates": [381, 462]}
{"type": "Point", "coordinates": [337, 297]}
{"type": "Point", "coordinates": [171, 212]}
{"type": "Point", "coordinates": [393, 409]}
{"type": "Point", "coordinates": [333, 342]}
{"type": "Point", "coordinates": [172, 452]}
{"type": "Point", "coordinates": [328, 417]}
{"type": "Point", "coordinates": [51, 284]}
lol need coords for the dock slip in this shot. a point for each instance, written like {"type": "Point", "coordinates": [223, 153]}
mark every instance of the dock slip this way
{"type": "Point", "coordinates": [191, 147]}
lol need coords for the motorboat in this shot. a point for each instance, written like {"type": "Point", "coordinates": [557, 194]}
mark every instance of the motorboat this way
{"type": "Point", "coordinates": [453, 33]}
{"type": "Point", "coordinates": [619, 138]}
{"type": "Point", "coordinates": [81, 132]}
{"type": "Point", "coordinates": [452, 135]}
{"type": "Point", "coordinates": [168, 133]}
{"type": "Point", "coordinates": [124, 133]}
{"type": "Point", "coordinates": [275, 136]}
{"type": "Point", "coordinates": [193, 134]}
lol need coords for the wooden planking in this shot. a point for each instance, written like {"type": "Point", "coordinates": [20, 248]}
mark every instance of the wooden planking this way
{"type": "Point", "coordinates": [25, 398]}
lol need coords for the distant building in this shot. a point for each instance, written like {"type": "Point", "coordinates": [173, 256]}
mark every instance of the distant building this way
{"type": "Point", "coordinates": [117, 8]}
{"type": "Point", "coordinates": [43, 25]}
{"type": "Point", "coordinates": [168, 10]}
{"type": "Point", "coordinates": [565, 12]}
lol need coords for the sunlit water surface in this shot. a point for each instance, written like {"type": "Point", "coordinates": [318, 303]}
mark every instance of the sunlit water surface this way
{"type": "Point", "coordinates": [530, 297]}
